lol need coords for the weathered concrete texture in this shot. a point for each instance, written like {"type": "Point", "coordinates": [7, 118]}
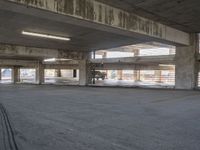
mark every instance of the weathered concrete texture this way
{"type": "Point", "coordinates": [187, 66]}
{"type": "Point", "coordinates": [74, 65]}
{"type": "Point", "coordinates": [7, 50]}
{"type": "Point", "coordinates": [13, 62]}
{"type": "Point", "coordinates": [104, 14]}
{"type": "Point", "coordinates": [162, 59]}
{"type": "Point", "coordinates": [183, 13]}
{"type": "Point", "coordinates": [83, 72]}
{"type": "Point", "coordinates": [131, 66]}
{"type": "Point", "coordinates": [40, 73]}
{"type": "Point", "coordinates": [15, 76]}
{"type": "Point", "coordinates": [158, 75]}
{"type": "Point", "coordinates": [80, 118]}
{"type": "Point", "coordinates": [58, 73]}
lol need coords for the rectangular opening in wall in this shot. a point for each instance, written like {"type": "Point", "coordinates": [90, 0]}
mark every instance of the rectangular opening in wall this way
{"type": "Point", "coordinates": [61, 76]}
{"type": "Point", "coordinates": [145, 49]}
{"type": "Point", "coordinates": [6, 75]}
{"type": "Point", "coordinates": [147, 78]}
{"type": "Point", "coordinates": [27, 75]}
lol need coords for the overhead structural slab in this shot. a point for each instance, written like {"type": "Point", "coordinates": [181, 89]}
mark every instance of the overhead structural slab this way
{"type": "Point", "coordinates": [12, 51]}
{"type": "Point", "coordinates": [96, 15]}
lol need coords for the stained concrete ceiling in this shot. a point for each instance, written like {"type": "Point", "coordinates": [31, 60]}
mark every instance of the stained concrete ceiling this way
{"type": "Point", "coordinates": [180, 14]}
{"type": "Point", "coordinates": [82, 38]}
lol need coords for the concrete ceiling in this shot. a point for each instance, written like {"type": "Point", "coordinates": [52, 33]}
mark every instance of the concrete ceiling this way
{"type": "Point", "coordinates": [82, 38]}
{"type": "Point", "coordinates": [180, 14]}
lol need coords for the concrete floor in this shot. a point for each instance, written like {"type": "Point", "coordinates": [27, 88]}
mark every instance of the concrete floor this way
{"type": "Point", "coordinates": [85, 118]}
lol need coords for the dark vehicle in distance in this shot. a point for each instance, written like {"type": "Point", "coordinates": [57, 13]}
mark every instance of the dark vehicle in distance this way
{"type": "Point", "coordinates": [99, 75]}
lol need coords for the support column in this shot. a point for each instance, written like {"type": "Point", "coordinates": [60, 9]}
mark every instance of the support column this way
{"type": "Point", "coordinates": [105, 56]}
{"type": "Point", "coordinates": [136, 52]}
{"type": "Point", "coordinates": [84, 71]}
{"type": "Point", "coordinates": [15, 74]}
{"type": "Point", "coordinates": [58, 73]}
{"type": "Point", "coordinates": [40, 73]}
{"type": "Point", "coordinates": [187, 65]}
{"type": "Point", "coordinates": [119, 74]}
{"type": "Point", "coordinates": [136, 72]}
{"type": "Point", "coordinates": [136, 75]}
{"type": "Point", "coordinates": [158, 76]}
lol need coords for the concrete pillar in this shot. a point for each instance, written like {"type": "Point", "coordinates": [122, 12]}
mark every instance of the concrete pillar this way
{"type": "Point", "coordinates": [15, 74]}
{"type": "Point", "coordinates": [187, 65]}
{"type": "Point", "coordinates": [83, 72]}
{"type": "Point", "coordinates": [136, 52]}
{"type": "Point", "coordinates": [158, 76]}
{"type": "Point", "coordinates": [136, 74]}
{"type": "Point", "coordinates": [119, 74]}
{"type": "Point", "coordinates": [58, 73]}
{"type": "Point", "coordinates": [40, 73]}
{"type": "Point", "coordinates": [105, 56]}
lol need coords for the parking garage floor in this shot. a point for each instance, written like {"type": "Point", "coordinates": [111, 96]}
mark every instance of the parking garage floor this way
{"type": "Point", "coordinates": [92, 118]}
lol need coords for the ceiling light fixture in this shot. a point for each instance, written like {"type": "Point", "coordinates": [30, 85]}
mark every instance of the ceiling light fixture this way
{"type": "Point", "coordinates": [45, 36]}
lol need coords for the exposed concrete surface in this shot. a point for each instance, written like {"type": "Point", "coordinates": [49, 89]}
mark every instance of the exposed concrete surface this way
{"type": "Point", "coordinates": [181, 14]}
{"type": "Point", "coordinates": [138, 59]}
{"type": "Point", "coordinates": [81, 118]}
{"type": "Point", "coordinates": [116, 20]}
{"type": "Point", "coordinates": [7, 50]}
{"type": "Point", "coordinates": [187, 66]}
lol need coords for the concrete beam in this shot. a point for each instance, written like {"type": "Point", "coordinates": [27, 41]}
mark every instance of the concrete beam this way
{"type": "Point", "coordinates": [168, 59]}
{"type": "Point", "coordinates": [56, 66]}
{"type": "Point", "coordinates": [112, 67]}
{"type": "Point", "coordinates": [38, 53]}
{"type": "Point", "coordinates": [132, 67]}
{"type": "Point", "coordinates": [95, 14]}
{"type": "Point", "coordinates": [74, 65]}
{"type": "Point", "coordinates": [21, 63]}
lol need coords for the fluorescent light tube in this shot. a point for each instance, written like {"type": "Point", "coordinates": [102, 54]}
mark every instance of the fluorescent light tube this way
{"type": "Point", "coordinates": [45, 36]}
